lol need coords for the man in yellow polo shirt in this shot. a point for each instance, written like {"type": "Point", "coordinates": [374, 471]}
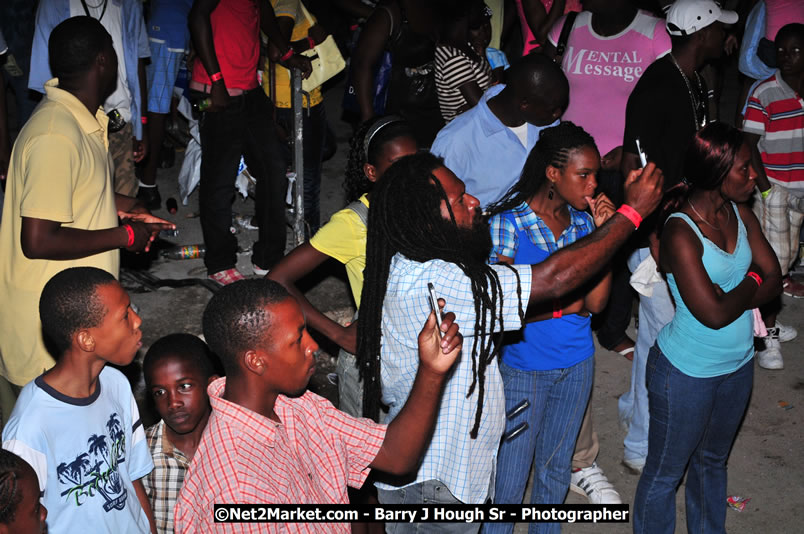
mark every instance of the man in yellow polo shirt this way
{"type": "Point", "coordinates": [60, 208]}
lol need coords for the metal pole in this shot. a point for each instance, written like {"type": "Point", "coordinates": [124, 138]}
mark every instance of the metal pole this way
{"type": "Point", "coordinates": [298, 157]}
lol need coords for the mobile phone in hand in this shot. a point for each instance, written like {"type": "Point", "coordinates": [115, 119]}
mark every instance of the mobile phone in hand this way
{"type": "Point", "coordinates": [434, 305]}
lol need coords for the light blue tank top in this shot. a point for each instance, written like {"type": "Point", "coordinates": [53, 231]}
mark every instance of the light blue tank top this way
{"type": "Point", "coordinates": [695, 349]}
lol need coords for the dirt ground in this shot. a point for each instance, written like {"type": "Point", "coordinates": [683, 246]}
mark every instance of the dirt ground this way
{"type": "Point", "coordinates": [765, 464]}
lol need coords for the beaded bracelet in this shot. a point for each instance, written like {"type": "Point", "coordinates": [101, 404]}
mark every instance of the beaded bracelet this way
{"type": "Point", "coordinates": [755, 277]}
{"type": "Point", "coordinates": [310, 42]}
{"type": "Point", "coordinates": [130, 233]}
{"type": "Point", "coordinates": [287, 55]}
{"type": "Point", "coordinates": [144, 119]}
{"type": "Point", "coordinates": [631, 214]}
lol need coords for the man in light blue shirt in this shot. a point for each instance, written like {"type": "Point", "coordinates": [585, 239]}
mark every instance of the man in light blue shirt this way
{"type": "Point", "coordinates": [487, 146]}
{"type": "Point", "coordinates": [124, 21]}
{"type": "Point", "coordinates": [424, 227]}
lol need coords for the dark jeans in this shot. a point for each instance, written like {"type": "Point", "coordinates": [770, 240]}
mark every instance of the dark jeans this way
{"type": "Point", "coordinates": [244, 128]}
{"type": "Point", "coordinates": [693, 422]}
{"type": "Point", "coordinates": [314, 127]}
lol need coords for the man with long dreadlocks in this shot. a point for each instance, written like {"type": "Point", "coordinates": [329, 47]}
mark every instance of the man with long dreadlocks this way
{"type": "Point", "coordinates": [423, 228]}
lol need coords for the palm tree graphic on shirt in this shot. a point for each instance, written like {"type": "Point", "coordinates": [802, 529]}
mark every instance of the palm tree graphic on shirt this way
{"type": "Point", "coordinates": [95, 472]}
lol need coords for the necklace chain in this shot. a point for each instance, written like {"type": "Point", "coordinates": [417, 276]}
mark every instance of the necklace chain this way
{"type": "Point", "coordinates": [694, 101]}
{"type": "Point", "coordinates": [728, 215]}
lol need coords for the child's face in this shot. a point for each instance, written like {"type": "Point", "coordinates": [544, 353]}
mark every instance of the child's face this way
{"type": "Point", "coordinates": [118, 337]}
{"type": "Point", "coordinates": [790, 55]}
{"type": "Point", "coordinates": [180, 394]}
{"type": "Point", "coordinates": [31, 514]}
{"type": "Point", "coordinates": [291, 350]}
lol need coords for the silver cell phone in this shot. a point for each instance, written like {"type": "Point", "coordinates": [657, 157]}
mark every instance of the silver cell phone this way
{"type": "Point", "coordinates": [643, 159]}
{"type": "Point", "coordinates": [434, 305]}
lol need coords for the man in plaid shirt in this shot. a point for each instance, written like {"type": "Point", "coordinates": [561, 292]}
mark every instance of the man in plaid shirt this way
{"type": "Point", "coordinates": [269, 441]}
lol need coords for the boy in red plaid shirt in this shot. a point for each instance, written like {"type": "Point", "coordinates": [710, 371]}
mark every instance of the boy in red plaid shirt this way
{"type": "Point", "coordinates": [270, 441]}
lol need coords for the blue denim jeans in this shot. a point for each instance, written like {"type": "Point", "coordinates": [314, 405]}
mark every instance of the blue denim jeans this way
{"type": "Point", "coordinates": [654, 312]}
{"type": "Point", "coordinates": [692, 421]}
{"type": "Point", "coordinates": [427, 492]}
{"type": "Point", "coordinates": [558, 400]}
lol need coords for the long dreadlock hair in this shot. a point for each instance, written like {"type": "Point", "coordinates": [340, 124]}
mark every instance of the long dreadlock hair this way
{"type": "Point", "coordinates": [552, 149]}
{"type": "Point", "coordinates": [405, 217]}
{"type": "Point", "coordinates": [356, 183]}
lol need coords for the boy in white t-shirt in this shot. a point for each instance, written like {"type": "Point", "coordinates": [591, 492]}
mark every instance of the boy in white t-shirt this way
{"type": "Point", "coordinates": [77, 424]}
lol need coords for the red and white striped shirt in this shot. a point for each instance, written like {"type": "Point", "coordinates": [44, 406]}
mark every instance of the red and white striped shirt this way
{"type": "Point", "coordinates": [775, 112]}
{"type": "Point", "coordinates": [246, 458]}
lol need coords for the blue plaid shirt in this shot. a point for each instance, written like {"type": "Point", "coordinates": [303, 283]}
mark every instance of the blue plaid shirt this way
{"type": "Point", "coordinates": [506, 241]}
{"type": "Point", "coordinates": [464, 465]}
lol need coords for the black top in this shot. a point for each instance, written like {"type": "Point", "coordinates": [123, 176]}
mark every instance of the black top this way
{"type": "Point", "coordinates": [660, 114]}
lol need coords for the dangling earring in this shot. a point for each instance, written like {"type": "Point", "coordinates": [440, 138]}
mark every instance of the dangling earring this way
{"type": "Point", "coordinates": [550, 193]}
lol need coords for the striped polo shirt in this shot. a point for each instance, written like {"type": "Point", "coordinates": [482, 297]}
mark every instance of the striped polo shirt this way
{"type": "Point", "coordinates": [775, 112]}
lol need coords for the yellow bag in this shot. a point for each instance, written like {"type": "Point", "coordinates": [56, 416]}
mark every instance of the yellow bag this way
{"type": "Point", "coordinates": [326, 59]}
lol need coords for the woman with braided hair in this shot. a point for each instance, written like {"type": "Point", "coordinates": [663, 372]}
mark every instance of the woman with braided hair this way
{"type": "Point", "coordinates": [20, 509]}
{"type": "Point", "coordinates": [548, 367]}
{"type": "Point", "coordinates": [425, 229]}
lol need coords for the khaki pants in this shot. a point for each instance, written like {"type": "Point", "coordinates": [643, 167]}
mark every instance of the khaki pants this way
{"type": "Point", "coordinates": [122, 152]}
{"type": "Point", "coordinates": [587, 445]}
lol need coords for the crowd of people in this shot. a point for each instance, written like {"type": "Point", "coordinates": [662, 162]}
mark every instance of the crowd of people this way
{"type": "Point", "coordinates": [529, 162]}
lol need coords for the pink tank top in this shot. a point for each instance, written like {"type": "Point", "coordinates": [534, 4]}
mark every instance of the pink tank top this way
{"type": "Point", "coordinates": [527, 34]}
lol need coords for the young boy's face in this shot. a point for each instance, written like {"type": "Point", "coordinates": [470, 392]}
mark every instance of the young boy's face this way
{"type": "Point", "coordinates": [30, 515]}
{"type": "Point", "coordinates": [790, 55]}
{"type": "Point", "coordinates": [180, 393]}
{"type": "Point", "coordinates": [118, 337]}
{"type": "Point", "coordinates": [291, 350]}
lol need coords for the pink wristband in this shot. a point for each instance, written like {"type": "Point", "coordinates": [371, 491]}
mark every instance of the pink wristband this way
{"type": "Point", "coordinates": [130, 232]}
{"type": "Point", "coordinates": [217, 76]}
{"type": "Point", "coordinates": [631, 214]}
{"type": "Point", "coordinates": [287, 55]}
{"type": "Point", "coordinates": [144, 119]}
{"type": "Point", "coordinates": [755, 277]}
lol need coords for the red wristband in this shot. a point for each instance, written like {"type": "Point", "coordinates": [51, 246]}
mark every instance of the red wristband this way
{"type": "Point", "coordinates": [217, 76]}
{"type": "Point", "coordinates": [144, 120]}
{"type": "Point", "coordinates": [130, 232]}
{"type": "Point", "coordinates": [557, 311]}
{"type": "Point", "coordinates": [310, 42]}
{"type": "Point", "coordinates": [631, 214]}
{"type": "Point", "coordinates": [755, 277]}
{"type": "Point", "coordinates": [287, 55]}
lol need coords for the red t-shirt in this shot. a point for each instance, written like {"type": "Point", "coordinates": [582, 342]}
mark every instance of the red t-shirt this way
{"type": "Point", "coordinates": [236, 34]}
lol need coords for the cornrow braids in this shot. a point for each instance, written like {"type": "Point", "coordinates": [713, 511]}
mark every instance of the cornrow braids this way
{"type": "Point", "coordinates": [405, 217]}
{"type": "Point", "coordinates": [11, 470]}
{"type": "Point", "coordinates": [552, 149]}
{"type": "Point", "coordinates": [356, 183]}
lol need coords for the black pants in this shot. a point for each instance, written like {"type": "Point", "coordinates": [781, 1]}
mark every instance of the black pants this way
{"type": "Point", "coordinates": [244, 128]}
{"type": "Point", "coordinates": [614, 320]}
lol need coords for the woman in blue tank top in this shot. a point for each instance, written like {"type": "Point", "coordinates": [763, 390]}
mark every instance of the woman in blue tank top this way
{"type": "Point", "coordinates": [700, 372]}
{"type": "Point", "coordinates": [548, 370]}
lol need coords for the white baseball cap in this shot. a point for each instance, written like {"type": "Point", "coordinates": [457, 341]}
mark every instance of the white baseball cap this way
{"type": "Point", "coordinates": [686, 17]}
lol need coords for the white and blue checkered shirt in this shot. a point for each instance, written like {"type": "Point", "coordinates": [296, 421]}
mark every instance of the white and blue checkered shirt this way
{"type": "Point", "coordinates": [464, 465]}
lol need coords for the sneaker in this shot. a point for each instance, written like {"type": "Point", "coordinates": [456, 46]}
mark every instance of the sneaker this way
{"type": "Point", "coordinates": [259, 271]}
{"type": "Point", "coordinates": [634, 466]}
{"type": "Point", "coordinates": [593, 484]}
{"type": "Point", "coordinates": [150, 197]}
{"type": "Point", "coordinates": [226, 277]}
{"type": "Point", "coordinates": [792, 288]}
{"type": "Point", "coordinates": [786, 333]}
{"type": "Point", "coordinates": [771, 356]}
